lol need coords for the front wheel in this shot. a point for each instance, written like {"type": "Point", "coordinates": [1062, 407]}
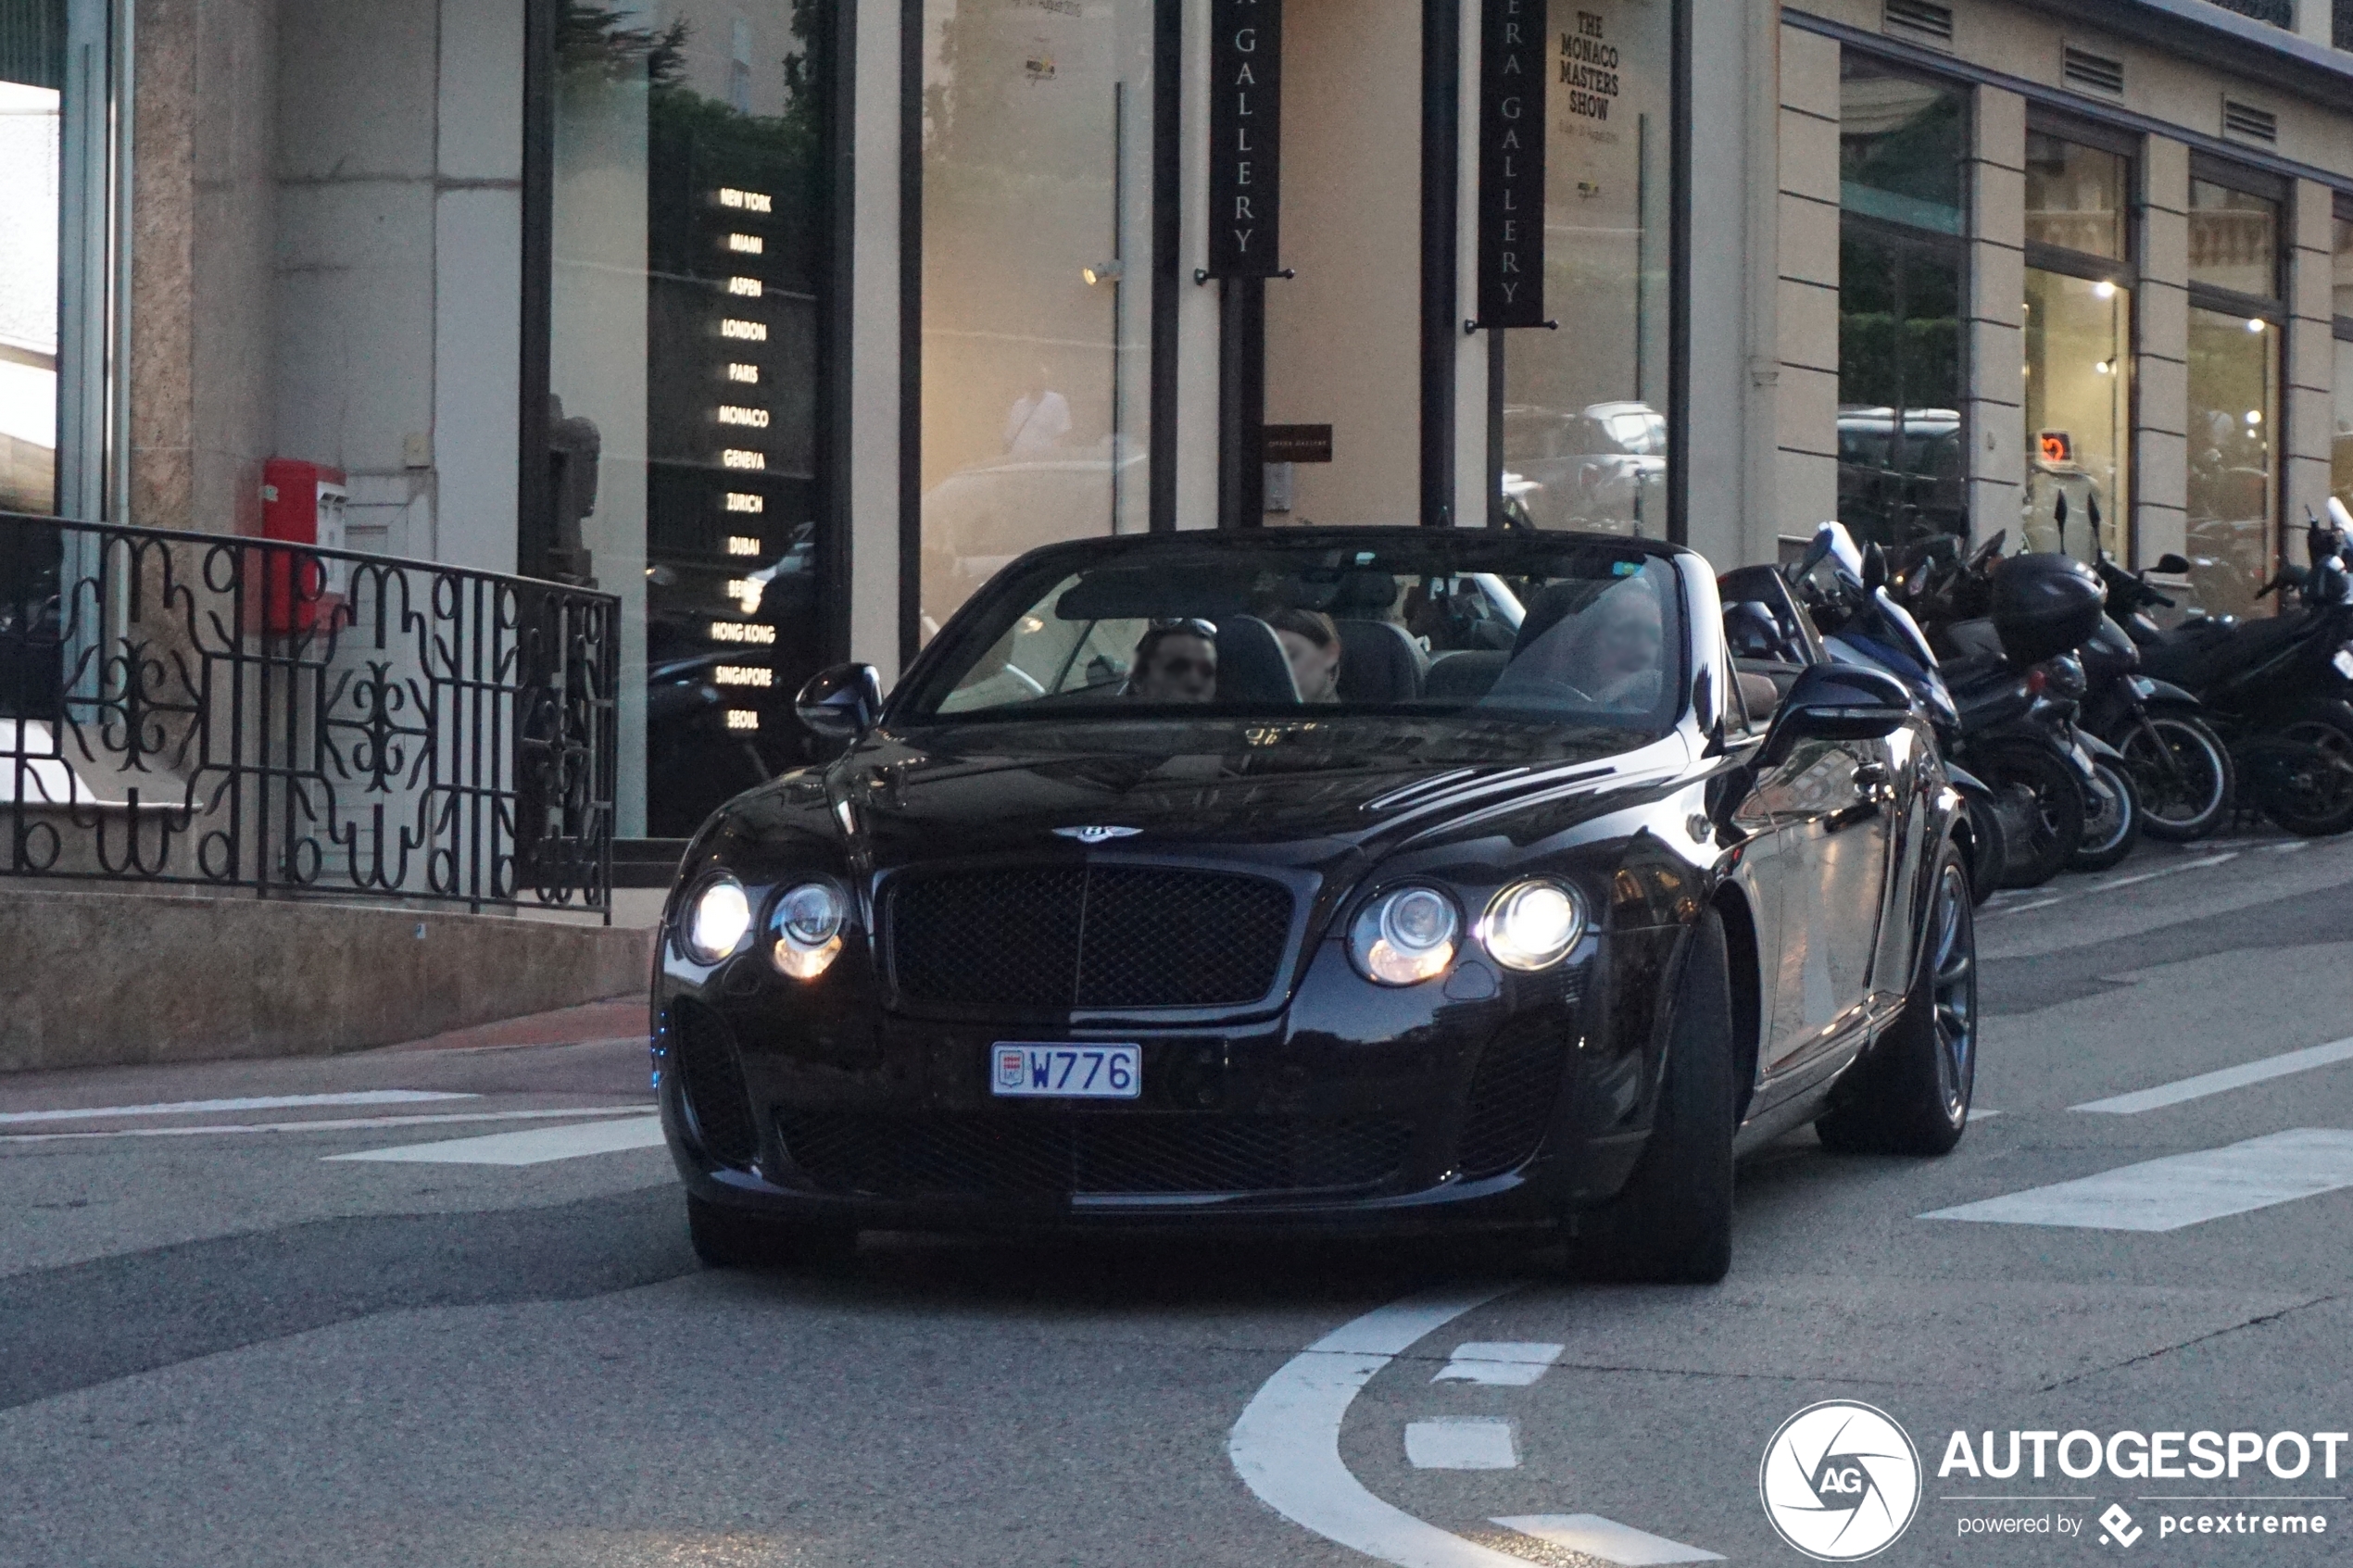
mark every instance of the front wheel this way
{"type": "Point", "coordinates": [2306, 777]}
{"type": "Point", "coordinates": [1911, 1094]}
{"type": "Point", "coordinates": [2111, 820]}
{"type": "Point", "coordinates": [2183, 773]}
{"type": "Point", "coordinates": [2045, 818]}
{"type": "Point", "coordinates": [1672, 1222]}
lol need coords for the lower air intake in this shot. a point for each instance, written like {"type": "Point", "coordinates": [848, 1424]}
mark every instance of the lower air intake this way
{"type": "Point", "coordinates": [717, 1103]}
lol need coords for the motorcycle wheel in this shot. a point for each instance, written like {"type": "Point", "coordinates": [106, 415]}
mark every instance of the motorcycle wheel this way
{"type": "Point", "coordinates": [2313, 795]}
{"type": "Point", "coordinates": [2057, 825]}
{"type": "Point", "coordinates": [2111, 819]}
{"type": "Point", "coordinates": [2183, 773]}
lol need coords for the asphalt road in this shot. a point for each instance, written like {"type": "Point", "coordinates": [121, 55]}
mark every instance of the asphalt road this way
{"type": "Point", "coordinates": [232, 1347]}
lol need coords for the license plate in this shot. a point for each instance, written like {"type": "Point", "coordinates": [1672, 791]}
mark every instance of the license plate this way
{"type": "Point", "coordinates": [2344, 662]}
{"type": "Point", "coordinates": [1065, 1071]}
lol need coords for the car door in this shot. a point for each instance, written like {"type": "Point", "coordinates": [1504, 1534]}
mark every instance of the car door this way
{"type": "Point", "coordinates": [1829, 802]}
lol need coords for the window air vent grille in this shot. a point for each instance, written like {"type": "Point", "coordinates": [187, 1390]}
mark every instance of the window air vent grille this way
{"type": "Point", "coordinates": [1922, 20]}
{"type": "Point", "coordinates": [2249, 123]}
{"type": "Point", "coordinates": [2094, 73]}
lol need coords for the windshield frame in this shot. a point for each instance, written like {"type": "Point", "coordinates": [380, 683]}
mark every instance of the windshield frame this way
{"type": "Point", "coordinates": [988, 613]}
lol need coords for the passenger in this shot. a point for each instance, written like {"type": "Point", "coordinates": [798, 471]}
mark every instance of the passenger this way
{"type": "Point", "coordinates": [1176, 662]}
{"type": "Point", "coordinates": [1622, 649]}
{"type": "Point", "coordinates": [1311, 643]}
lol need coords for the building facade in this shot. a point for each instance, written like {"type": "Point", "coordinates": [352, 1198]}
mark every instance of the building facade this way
{"type": "Point", "coordinates": [789, 320]}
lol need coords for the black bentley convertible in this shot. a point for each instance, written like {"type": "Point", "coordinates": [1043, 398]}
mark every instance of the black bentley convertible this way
{"type": "Point", "coordinates": [1319, 879]}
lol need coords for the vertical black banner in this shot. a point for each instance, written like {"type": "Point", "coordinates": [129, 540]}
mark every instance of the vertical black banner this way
{"type": "Point", "coordinates": [1511, 164]}
{"type": "Point", "coordinates": [1245, 136]}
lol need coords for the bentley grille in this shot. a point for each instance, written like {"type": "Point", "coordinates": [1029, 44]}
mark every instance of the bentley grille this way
{"type": "Point", "coordinates": [1064, 938]}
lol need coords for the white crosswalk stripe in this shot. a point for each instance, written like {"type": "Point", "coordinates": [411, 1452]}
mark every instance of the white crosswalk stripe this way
{"type": "Point", "coordinates": [1503, 1363]}
{"type": "Point", "coordinates": [226, 1107]}
{"type": "Point", "coordinates": [537, 1146]}
{"type": "Point", "coordinates": [2181, 1189]}
{"type": "Point", "coordinates": [2222, 1079]}
{"type": "Point", "coordinates": [1462, 1443]}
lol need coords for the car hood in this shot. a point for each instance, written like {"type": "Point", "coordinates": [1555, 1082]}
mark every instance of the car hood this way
{"type": "Point", "coordinates": [1313, 794]}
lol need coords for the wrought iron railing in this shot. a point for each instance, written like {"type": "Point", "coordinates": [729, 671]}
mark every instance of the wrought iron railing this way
{"type": "Point", "coordinates": [233, 712]}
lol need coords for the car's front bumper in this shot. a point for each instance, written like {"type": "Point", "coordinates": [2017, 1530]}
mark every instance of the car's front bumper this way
{"type": "Point", "coordinates": [1352, 1108]}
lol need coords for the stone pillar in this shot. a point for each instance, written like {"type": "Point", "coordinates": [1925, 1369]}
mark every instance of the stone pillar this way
{"type": "Point", "coordinates": [1805, 419]}
{"type": "Point", "coordinates": [202, 220]}
{"type": "Point", "coordinates": [1995, 425]}
{"type": "Point", "coordinates": [2161, 419]}
{"type": "Point", "coordinates": [2310, 420]}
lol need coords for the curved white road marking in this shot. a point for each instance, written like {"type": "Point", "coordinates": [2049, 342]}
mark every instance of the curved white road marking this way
{"type": "Point", "coordinates": [1285, 1447]}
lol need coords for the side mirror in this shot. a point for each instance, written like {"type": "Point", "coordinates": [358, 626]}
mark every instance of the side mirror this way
{"type": "Point", "coordinates": [1833, 702]}
{"type": "Point", "coordinates": [842, 703]}
{"type": "Point", "coordinates": [2172, 565]}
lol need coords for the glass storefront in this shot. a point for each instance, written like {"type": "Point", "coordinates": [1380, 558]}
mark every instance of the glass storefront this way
{"type": "Point", "coordinates": [32, 71]}
{"type": "Point", "coordinates": [2341, 293]}
{"type": "Point", "coordinates": [2079, 346]}
{"type": "Point", "coordinates": [1037, 267]}
{"type": "Point", "coordinates": [2235, 327]}
{"type": "Point", "coordinates": [1902, 369]}
{"type": "Point", "coordinates": [1584, 429]}
{"type": "Point", "coordinates": [688, 238]}
{"type": "Point", "coordinates": [2234, 374]}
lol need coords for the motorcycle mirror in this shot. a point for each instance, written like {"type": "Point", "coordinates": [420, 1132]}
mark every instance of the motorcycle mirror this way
{"type": "Point", "coordinates": [2340, 516]}
{"type": "Point", "coordinates": [1874, 567]}
{"type": "Point", "coordinates": [1817, 551]}
{"type": "Point", "coordinates": [2171, 564]}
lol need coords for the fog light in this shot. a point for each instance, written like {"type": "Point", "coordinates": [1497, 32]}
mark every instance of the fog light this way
{"type": "Point", "coordinates": [1406, 936]}
{"type": "Point", "coordinates": [1531, 925]}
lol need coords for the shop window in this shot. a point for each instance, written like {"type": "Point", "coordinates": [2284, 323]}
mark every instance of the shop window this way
{"type": "Point", "coordinates": [2341, 439]}
{"type": "Point", "coordinates": [2079, 332]}
{"type": "Point", "coordinates": [689, 231]}
{"type": "Point", "coordinates": [2078, 321]}
{"type": "Point", "coordinates": [2236, 324]}
{"type": "Point", "coordinates": [2075, 197]}
{"type": "Point", "coordinates": [1584, 432]}
{"type": "Point", "coordinates": [30, 68]}
{"type": "Point", "coordinates": [1903, 145]}
{"type": "Point", "coordinates": [2234, 240]}
{"type": "Point", "coordinates": [1036, 243]}
{"type": "Point", "coordinates": [1901, 455]}
{"type": "Point", "coordinates": [2233, 381]}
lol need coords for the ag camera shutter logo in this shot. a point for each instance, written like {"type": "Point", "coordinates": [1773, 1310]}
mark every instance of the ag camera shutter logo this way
{"type": "Point", "coordinates": [1840, 1481]}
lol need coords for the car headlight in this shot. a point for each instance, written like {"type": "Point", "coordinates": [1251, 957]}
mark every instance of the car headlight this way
{"type": "Point", "coordinates": [1532, 924]}
{"type": "Point", "coordinates": [1406, 936]}
{"type": "Point", "coordinates": [716, 920]}
{"type": "Point", "coordinates": [804, 929]}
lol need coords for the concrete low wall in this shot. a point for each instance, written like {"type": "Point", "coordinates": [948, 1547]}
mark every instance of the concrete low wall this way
{"type": "Point", "coordinates": [91, 979]}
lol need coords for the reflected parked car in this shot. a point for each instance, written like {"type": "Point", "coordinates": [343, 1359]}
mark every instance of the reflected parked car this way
{"type": "Point", "coordinates": [1097, 924]}
{"type": "Point", "coordinates": [1603, 468]}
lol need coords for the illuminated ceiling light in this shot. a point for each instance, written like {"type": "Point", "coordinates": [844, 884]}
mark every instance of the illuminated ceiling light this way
{"type": "Point", "coordinates": [2255, 324]}
{"type": "Point", "coordinates": [2104, 368]}
{"type": "Point", "coordinates": [2104, 289]}
{"type": "Point", "coordinates": [2254, 415]}
{"type": "Point", "coordinates": [1102, 272]}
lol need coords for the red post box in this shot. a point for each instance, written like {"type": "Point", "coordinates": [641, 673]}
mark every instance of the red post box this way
{"type": "Point", "coordinates": [301, 504]}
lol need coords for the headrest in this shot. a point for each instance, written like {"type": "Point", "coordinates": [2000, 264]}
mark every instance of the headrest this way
{"type": "Point", "coordinates": [1251, 666]}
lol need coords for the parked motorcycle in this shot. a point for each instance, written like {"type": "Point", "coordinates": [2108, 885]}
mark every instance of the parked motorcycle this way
{"type": "Point", "coordinates": [1994, 729]}
{"type": "Point", "coordinates": [2178, 762]}
{"type": "Point", "coordinates": [2005, 631]}
{"type": "Point", "coordinates": [2277, 689]}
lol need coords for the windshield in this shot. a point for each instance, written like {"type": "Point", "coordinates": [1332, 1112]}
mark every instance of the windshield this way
{"type": "Point", "coordinates": [1540, 632]}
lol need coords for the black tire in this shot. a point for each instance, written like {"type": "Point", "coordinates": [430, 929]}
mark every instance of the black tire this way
{"type": "Point", "coordinates": [2184, 774]}
{"type": "Point", "coordinates": [2112, 824]}
{"type": "Point", "coordinates": [2311, 793]}
{"type": "Point", "coordinates": [2041, 853]}
{"type": "Point", "coordinates": [1991, 853]}
{"type": "Point", "coordinates": [1911, 1094]}
{"type": "Point", "coordinates": [730, 1238]}
{"type": "Point", "coordinates": [1672, 1221]}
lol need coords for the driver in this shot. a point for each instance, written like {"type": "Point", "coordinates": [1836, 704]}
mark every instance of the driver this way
{"type": "Point", "coordinates": [1176, 662]}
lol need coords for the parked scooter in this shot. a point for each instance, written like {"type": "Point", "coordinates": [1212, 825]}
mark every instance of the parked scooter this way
{"type": "Point", "coordinates": [2276, 688]}
{"type": "Point", "coordinates": [2022, 791]}
{"type": "Point", "coordinates": [2006, 635]}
